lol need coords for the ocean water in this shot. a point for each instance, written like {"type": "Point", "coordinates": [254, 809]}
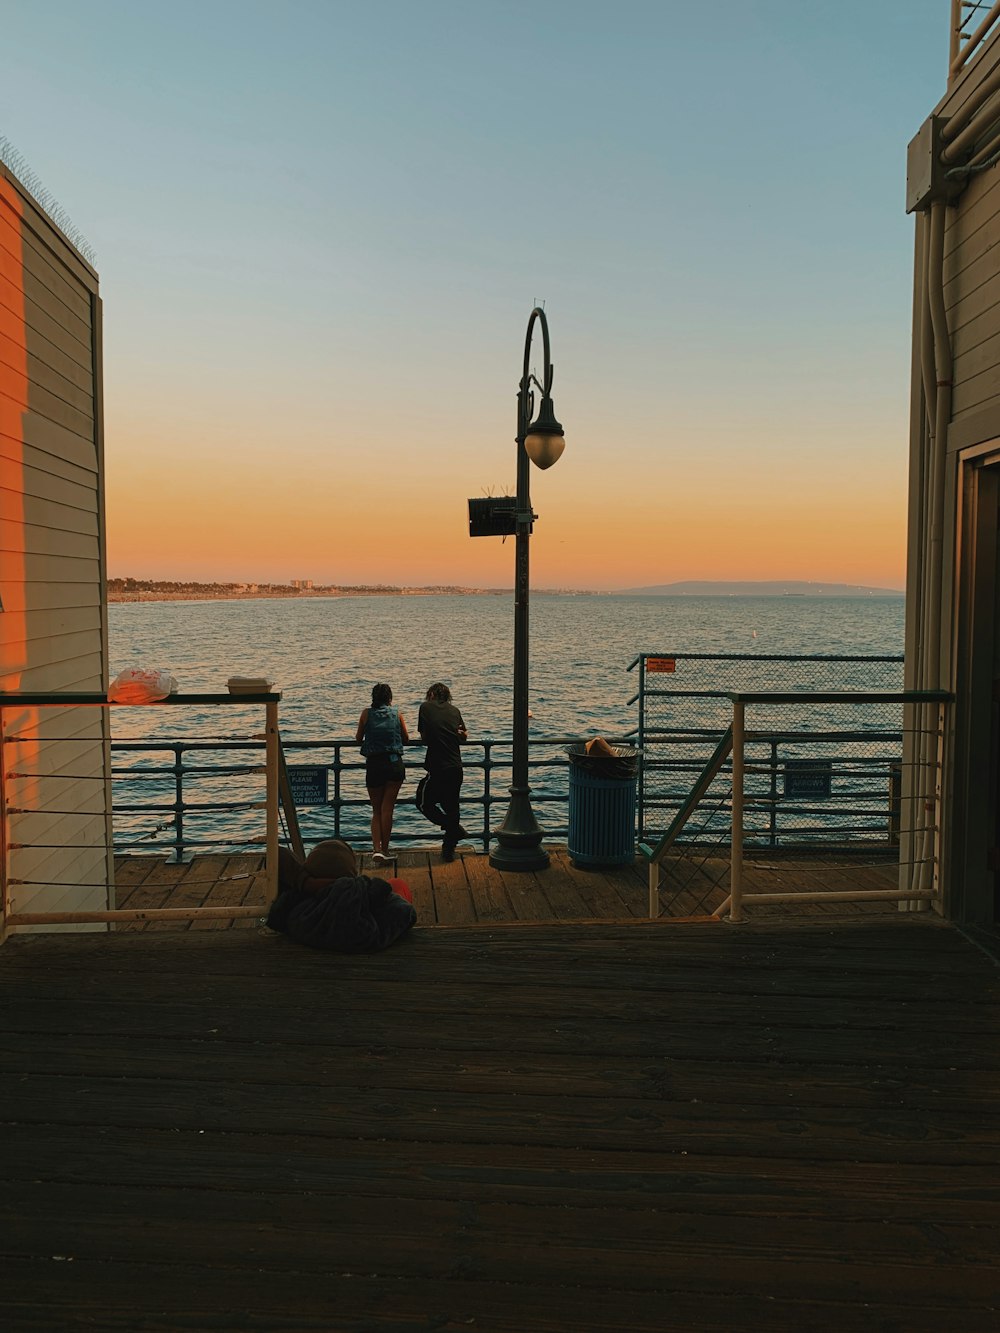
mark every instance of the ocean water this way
{"type": "Point", "coordinates": [324, 655]}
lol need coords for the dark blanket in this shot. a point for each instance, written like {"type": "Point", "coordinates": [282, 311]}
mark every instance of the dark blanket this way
{"type": "Point", "coordinates": [354, 914]}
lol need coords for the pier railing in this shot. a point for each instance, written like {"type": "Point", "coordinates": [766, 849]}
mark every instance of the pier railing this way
{"type": "Point", "coordinates": [735, 786]}
{"type": "Point", "coordinates": [175, 795]}
{"type": "Point", "coordinates": [832, 777]}
{"type": "Point", "coordinates": [184, 796]}
{"type": "Point", "coordinates": [39, 785]}
{"type": "Point", "coordinates": [722, 810]}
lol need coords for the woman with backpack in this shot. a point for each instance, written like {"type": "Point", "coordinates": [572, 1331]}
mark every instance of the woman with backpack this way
{"type": "Point", "coordinates": [381, 735]}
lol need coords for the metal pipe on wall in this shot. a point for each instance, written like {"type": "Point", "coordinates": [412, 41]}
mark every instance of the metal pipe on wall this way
{"type": "Point", "coordinates": [943, 367]}
{"type": "Point", "coordinates": [976, 99]}
{"type": "Point", "coordinates": [957, 141]}
{"type": "Point", "coordinates": [934, 475]}
{"type": "Point", "coordinates": [984, 153]}
{"type": "Point", "coordinates": [923, 395]}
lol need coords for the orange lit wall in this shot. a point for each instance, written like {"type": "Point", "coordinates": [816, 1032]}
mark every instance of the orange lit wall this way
{"type": "Point", "coordinates": [52, 797]}
{"type": "Point", "coordinates": [13, 410]}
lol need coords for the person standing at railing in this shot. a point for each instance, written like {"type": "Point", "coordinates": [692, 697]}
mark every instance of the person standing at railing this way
{"type": "Point", "coordinates": [443, 731]}
{"type": "Point", "coordinates": [381, 735]}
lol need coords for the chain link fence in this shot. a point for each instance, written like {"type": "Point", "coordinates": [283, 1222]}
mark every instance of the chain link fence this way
{"type": "Point", "coordinates": [815, 776]}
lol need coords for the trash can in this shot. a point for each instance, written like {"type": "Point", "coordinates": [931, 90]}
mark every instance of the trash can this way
{"type": "Point", "coordinates": [602, 805]}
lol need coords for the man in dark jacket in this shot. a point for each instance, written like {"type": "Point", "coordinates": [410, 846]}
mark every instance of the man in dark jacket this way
{"type": "Point", "coordinates": [443, 731]}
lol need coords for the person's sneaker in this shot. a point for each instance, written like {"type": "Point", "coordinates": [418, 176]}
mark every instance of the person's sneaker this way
{"type": "Point", "coordinates": [379, 858]}
{"type": "Point", "coordinates": [447, 851]}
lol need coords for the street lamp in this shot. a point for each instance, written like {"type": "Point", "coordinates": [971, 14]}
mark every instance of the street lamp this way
{"type": "Point", "coordinates": [519, 838]}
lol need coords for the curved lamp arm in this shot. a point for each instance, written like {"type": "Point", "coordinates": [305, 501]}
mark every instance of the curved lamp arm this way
{"type": "Point", "coordinates": [544, 438]}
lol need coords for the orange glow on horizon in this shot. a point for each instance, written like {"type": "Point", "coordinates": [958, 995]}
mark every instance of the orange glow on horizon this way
{"type": "Point", "coordinates": [247, 500]}
{"type": "Point", "coordinates": [261, 529]}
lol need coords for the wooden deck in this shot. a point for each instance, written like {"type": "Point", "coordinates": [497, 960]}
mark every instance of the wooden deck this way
{"type": "Point", "coordinates": [469, 890]}
{"type": "Point", "coordinates": [556, 1128]}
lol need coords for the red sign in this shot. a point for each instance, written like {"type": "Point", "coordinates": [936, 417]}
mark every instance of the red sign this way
{"type": "Point", "coordinates": [661, 664]}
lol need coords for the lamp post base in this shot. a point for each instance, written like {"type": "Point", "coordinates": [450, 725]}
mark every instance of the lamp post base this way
{"type": "Point", "coordinates": [519, 838]}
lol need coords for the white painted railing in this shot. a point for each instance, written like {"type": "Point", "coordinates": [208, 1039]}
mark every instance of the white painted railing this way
{"type": "Point", "coordinates": [919, 825]}
{"type": "Point", "coordinates": [19, 704]}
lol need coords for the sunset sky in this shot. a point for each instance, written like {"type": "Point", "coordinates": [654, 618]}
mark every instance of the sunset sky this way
{"type": "Point", "coordinates": [321, 228]}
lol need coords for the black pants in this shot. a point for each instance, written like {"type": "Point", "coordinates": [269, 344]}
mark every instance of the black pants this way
{"type": "Point", "coordinates": [437, 798]}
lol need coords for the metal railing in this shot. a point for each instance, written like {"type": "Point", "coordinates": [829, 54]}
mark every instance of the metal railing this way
{"type": "Point", "coordinates": [174, 805]}
{"type": "Point", "coordinates": [23, 768]}
{"type": "Point", "coordinates": [821, 781]}
{"type": "Point", "coordinates": [973, 22]}
{"type": "Point", "coordinates": [733, 783]}
{"type": "Point", "coordinates": [736, 760]}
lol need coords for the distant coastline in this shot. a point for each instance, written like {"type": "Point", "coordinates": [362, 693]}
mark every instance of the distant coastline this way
{"type": "Point", "coordinates": [767, 588]}
{"type": "Point", "coordinates": [169, 590]}
{"type": "Point", "coordinates": [153, 590]}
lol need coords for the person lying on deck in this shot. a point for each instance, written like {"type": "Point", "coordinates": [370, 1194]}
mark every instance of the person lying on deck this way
{"type": "Point", "coordinates": [324, 903]}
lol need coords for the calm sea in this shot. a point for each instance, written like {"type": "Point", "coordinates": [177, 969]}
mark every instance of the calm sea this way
{"type": "Point", "coordinates": [324, 654]}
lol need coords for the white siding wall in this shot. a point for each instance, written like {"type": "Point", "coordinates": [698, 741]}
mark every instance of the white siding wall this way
{"type": "Point", "coordinates": [952, 630]}
{"type": "Point", "coordinates": [53, 627]}
{"type": "Point", "coordinates": [972, 295]}
{"type": "Point", "coordinates": [972, 280]}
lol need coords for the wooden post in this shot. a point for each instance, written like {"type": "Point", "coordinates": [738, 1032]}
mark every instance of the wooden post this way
{"type": "Point", "coordinates": [736, 860]}
{"type": "Point", "coordinates": [654, 890]}
{"type": "Point", "coordinates": [271, 768]}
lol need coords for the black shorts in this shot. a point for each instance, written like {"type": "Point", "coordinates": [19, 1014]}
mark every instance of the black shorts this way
{"type": "Point", "coordinates": [383, 769]}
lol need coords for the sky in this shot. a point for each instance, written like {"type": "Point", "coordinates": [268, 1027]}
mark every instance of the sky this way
{"type": "Point", "coordinates": [321, 228]}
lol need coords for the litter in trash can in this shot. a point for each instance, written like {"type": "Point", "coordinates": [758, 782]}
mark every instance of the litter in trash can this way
{"type": "Point", "coordinates": [604, 760]}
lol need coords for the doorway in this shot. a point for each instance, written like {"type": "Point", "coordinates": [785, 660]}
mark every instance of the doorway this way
{"type": "Point", "coordinates": [975, 807]}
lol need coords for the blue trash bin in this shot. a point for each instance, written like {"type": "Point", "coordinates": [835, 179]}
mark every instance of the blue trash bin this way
{"type": "Point", "coordinates": [602, 805]}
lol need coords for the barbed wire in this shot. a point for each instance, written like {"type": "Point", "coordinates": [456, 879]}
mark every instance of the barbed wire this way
{"type": "Point", "coordinates": [13, 160]}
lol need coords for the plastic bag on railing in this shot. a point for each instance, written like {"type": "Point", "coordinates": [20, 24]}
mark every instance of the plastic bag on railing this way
{"type": "Point", "coordinates": [139, 685]}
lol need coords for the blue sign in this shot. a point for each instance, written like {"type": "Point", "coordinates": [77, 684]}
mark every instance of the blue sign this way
{"type": "Point", "coordinates": [309, 783]}
{"type": "Point", "coordinates": [808, 779]}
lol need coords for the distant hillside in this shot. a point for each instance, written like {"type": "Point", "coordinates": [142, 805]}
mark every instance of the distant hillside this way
{"type": "Point", "coordinates": [778, 588]}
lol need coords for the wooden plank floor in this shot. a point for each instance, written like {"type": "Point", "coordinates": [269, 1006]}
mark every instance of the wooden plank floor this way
{"type": "Point", "coordinates": [552, 1128]}
{"type": "Point", "coordinates": [469, 890]}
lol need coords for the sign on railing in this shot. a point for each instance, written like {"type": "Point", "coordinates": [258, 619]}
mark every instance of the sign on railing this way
{"type": "Point", "coordinates": [808, 779]}
{"type": "Point", "coordinates": [310, 783]}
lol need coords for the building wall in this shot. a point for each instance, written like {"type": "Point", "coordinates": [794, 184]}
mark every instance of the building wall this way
{"type": "Point", "coordinates": [53, 626]}
{"type": "Point", "coordinates": [972, 279]}
{"type": "Point", "coordinates": [952, 554]}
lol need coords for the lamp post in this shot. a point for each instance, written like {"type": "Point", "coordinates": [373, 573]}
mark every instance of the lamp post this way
{"type": "Point", "coordinates": [519, 838]}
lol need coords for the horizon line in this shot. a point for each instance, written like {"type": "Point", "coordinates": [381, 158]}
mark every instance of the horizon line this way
{"type": "Point", "coordinates": [684, 586]}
